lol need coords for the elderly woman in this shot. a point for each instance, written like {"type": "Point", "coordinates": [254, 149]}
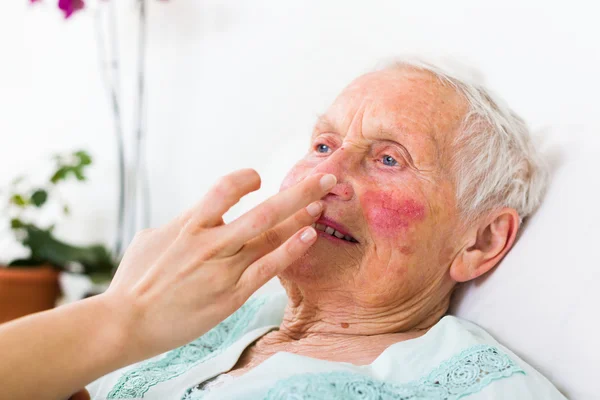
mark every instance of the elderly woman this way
{"type": "Point", "coordinates": [414, 182]}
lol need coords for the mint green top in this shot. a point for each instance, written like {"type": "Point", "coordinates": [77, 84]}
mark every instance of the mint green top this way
{"type": "Point", "coordinates": [453, 360]}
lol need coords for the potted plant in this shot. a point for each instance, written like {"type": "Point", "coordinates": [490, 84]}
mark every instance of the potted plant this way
{"type": "Point", "coordinates": [30, 284]}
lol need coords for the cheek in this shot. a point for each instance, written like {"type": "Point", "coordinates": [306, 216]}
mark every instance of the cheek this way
{"type": "Point", "coordinates": [295, 175]}
{"type": "Point", "coordinates": [389, 216]}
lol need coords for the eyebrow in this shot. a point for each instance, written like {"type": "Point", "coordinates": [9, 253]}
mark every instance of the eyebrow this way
{"type": "Point", "coordinates": [324, 123]}
{"type": "Point", "coordinates": [387, 134]}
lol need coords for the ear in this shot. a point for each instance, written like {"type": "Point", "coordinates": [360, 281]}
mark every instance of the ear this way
{"type": "Point", "coordinates": [485, 245]}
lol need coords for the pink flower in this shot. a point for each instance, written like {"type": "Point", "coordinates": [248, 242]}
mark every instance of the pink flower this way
{"type": "Point", "coordinates": [69, 6]}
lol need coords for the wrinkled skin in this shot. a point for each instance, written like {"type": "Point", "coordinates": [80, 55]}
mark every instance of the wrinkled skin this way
{"type": "Point", "coordinates": [394, 283]}
{"type": "Point", "coordinates": [404, 216]}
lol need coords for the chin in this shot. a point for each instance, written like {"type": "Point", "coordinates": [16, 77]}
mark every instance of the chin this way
{"type": "Point", "coordinates": [305, 270]}
{"type": "Point", "coordinates": [315, 268]}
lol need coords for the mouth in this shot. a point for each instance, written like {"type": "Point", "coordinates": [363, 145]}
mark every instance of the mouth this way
{"type": "Point", "coordinates": [334, 230]}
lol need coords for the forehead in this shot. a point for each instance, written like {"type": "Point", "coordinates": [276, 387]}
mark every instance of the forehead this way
{"type": "Point", "coordinates": [403, 100]}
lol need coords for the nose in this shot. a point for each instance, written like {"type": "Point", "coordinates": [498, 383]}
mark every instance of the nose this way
{"type": "Point", "coordinates": [338, 164]}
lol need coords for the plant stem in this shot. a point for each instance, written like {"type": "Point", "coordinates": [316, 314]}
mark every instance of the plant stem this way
{"type": "Point", "coordinates": [112, 83]}
{"type": "Point", "coordinates": [139, 194]}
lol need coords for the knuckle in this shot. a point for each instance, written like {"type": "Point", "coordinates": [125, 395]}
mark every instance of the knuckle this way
{"type": "Point", "coordinates": [273, 238]}
{"type": "Point", "coordinates": [289, 251]}
{"type": "Point", "coordinates": [184, 217]}
{"type": "Point", "coordinates": [144, 233]}
{"type": "Point", "coordinates": [211, 252]}
{"type": "Point", "coordinates": [309, 190]}
{"type": "Point", "coordinates": [302, 218]}
{"type": "Point", "coordinates": [191, 228]}
{"type": "Point", "coordinates": [265, 268]}
{"type": "Point", "coordinates": [214, 244]}
{"type": "Point", "coordinates": [224, 186]}
{"type": "Point", "coordinates": [264, 218]}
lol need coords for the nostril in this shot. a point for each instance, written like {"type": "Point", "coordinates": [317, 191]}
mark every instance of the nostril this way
{"type": "Point", "coordinates": [342, 191]}
{"type": "Point", "coordinates": [329, 196]}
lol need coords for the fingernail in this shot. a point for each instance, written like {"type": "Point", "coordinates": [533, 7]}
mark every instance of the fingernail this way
{"type": "Point", "coordinates": [328, 181]}
{"type": "Point", "coordinates": [315, 208]}
{"type": "Point", "coordinates": [308, 235]}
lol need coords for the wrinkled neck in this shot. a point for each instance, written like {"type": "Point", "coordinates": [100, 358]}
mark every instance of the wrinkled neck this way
{"type": "Point", "coordinates": [331, 314]}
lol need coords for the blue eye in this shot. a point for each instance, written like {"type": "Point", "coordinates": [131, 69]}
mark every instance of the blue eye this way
{"type": "Point", "coordinates": [389, 161]}
{"type": "Point", "coordinates": [322, 148]}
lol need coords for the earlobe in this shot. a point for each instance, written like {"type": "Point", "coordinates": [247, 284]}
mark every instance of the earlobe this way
{"type": "Point", "coordinates": [464, 264]}
{"type": "Point", "coordinates": [459, 269]}
{"type": "Point", "coordinates": [486, 246]}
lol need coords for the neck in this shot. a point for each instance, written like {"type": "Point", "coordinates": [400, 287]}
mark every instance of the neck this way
{"type": "Point", "coordinates": [334, 314]}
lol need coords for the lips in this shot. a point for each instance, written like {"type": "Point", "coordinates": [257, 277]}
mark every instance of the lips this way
{"type": "Point", "coordinates": [334, 229]}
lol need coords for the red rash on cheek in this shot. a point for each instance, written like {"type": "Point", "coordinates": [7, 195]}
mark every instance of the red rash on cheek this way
{"type": "Point", "coordinates": [388, 216]}
{"type": "Point", "coordinates": [293, 177]}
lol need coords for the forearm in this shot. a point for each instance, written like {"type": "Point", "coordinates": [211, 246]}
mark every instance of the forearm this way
{"type": "Point", "coordinates": [52, 354]}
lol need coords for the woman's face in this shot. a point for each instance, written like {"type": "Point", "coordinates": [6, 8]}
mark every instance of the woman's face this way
{"type": "Point", "coordinates": [387, 138]}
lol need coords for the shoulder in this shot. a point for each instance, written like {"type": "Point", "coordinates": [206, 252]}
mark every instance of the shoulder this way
{"type": "Point", "coordinates": [475, 361]}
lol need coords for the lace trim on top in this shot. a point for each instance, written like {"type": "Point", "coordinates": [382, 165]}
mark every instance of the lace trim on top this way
{"type": "Point", "coordinates": [137, 381]}
{"type": "Point", "coordinates": [464, 374]}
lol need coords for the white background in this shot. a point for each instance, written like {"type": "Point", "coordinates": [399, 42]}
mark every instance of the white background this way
{"type": "Point", "coordinates": [235, 84]}
{"type": "Point", "coordinates": [238, 83]}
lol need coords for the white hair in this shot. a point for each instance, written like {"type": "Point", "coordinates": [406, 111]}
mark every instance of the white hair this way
{"type": "Point", "coordinates": [494, 161]}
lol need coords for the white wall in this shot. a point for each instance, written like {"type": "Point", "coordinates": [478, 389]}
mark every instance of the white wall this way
{"type": "Point", "coordinates": [236, 84]}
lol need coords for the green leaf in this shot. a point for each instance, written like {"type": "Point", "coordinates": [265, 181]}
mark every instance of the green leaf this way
{"type": "Point", "coordinates": [16, 223]}
{"type": "Point", "coordinates": [100, 277]}
{"type": "Point", "coordinates": [26, 263]}
{"type": "Point", "coordinates": [39, 197]}
{"type": "Point", "coordinates": [18, 200]}
{"type": "Point", "coordinates": [45, 247]}
{"type": "Point", "coordinates": [66, 209]}
{"type": "Point", "coordinates": [79, 173]}
{"type": "Point", "coordinates": [84, 157]}
{"type": "Point", "coordinates": [60, 174]}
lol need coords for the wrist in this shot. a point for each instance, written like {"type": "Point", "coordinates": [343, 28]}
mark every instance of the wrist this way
{"type": "Point", "coordinates": [115, 333]}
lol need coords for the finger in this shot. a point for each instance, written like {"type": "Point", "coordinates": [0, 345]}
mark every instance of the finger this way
{"type": "Point", "coordinates": [220, 198]}
{"type": "Point", "coordinates": [278, 208]}
{"type": "Point", "coordinates": [275, 237]}
{"type": "Point", "coordinates": [83, 394]}
{"type": "Point", "coordinates": [267, 267]}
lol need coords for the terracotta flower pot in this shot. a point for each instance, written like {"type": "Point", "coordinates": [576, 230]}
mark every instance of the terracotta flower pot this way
{"type": "Point", "coordinates": [27, 290]}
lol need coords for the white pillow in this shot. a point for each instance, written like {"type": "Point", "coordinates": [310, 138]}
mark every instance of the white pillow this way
{"type": "Point", "coordinates": [542, 300]}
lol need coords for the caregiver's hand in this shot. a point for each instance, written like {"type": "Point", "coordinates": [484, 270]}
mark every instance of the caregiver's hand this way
{"type": "Point", "coordinates": [174, 284]}
{"type": "Point", "coordinates": [178, 281]}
